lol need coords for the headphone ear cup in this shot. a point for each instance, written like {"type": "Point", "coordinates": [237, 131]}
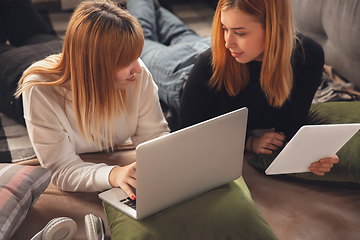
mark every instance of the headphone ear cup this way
{"type": "Point", "coordinates": [94, 227]}
{"type": "Point", "coordinates": [89, 227]}
{"type": "Point", "coordinates": [62, 228]}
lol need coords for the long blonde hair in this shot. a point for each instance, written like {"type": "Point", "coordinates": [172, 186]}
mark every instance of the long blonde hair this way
{"type": "Point", "coordinates": [276, 76]}
{"type": "Point", "coordinates": [100, 38]}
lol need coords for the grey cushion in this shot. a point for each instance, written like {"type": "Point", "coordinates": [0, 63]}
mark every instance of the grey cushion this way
{"type": "Point", "coordinates": [20, 188]}
{"type": "Point", "coordinates": [335, 25]}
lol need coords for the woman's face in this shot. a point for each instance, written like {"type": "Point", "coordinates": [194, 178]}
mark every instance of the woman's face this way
{"type": "Point", "coordinates": [244, 36]}
{"type": "Point", "coordinates": [124, 77]}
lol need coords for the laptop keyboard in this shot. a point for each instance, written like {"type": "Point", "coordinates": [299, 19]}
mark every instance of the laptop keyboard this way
{"type": "Point", "coordinates": [129, 202]}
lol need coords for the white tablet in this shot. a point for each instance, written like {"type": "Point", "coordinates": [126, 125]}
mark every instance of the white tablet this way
{"type": "Point", "coordinates": [310, 144]}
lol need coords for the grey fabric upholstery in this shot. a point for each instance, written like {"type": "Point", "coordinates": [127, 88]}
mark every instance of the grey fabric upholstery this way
{"type": "Point", "coordinates": [335, 24]}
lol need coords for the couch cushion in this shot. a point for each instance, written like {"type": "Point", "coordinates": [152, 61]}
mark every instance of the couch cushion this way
{"type": "Point", "coordinates": [227, 212]}
{"type": "Point", "coordinates": [20, 187]}
{"type": "Point", "coordinates": [335, 25]}
{"type": "Point", "coordinates": [347, 171]}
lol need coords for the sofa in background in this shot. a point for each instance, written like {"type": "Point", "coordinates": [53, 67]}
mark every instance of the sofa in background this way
{"type": "Point", "coordinates": [335, 24]}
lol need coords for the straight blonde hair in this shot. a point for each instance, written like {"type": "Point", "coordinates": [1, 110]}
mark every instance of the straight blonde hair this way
{"type": "Point", "coordinates": [100, 39]}
{"type": "Point", "coordinates": [276, 76]}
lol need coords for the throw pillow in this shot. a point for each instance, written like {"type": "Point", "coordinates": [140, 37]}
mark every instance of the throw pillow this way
{"type": "Point", "coordinates": [20, 187]}
{"type": "Point", "coordinates": [227, 212]}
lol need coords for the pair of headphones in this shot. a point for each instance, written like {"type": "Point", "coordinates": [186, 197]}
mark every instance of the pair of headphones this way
{"type": "Point", "coordinates": [64, 228]}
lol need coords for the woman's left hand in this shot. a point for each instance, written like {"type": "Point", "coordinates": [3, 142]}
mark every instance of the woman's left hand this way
{"type": "Point", "coordinates": [324, 165]}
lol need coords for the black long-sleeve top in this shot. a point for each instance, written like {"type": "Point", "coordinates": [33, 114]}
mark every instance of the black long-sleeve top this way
{"type": "Point", "coordinates": [200, 102]}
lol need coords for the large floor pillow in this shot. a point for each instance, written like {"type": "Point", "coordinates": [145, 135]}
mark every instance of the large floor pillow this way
{"type": "Point", "coordinates": [227, 212]}
{"type": "Point", "coordinates": [347, 171]}
{"type": "Point", "coordinates": [20, 188]}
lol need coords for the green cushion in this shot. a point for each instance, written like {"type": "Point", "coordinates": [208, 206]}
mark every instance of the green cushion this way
{"type": "Point", "coordinates": [228, 212]}
{"type": "Point", "coordinates": [348, 168]}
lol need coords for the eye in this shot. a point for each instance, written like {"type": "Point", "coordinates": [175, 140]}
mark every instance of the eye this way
{"type": "Point", "coordinates": [240, 34]}
{"type": "Point", "coordinates": [224, 28]}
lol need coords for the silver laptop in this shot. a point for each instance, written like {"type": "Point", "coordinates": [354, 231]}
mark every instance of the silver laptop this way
{"type": "Point", "coordinates": [183, 164]}
{"type": "Point", "coordinates": [310, 144]}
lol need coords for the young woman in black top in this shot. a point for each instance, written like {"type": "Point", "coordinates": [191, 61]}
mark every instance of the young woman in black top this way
{"type": "Point", "coordinates": [258, 61]}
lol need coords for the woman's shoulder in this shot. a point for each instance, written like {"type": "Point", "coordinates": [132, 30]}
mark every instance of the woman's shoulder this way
{"type": "Point", "coordinates": [205, 57]}
{"type": "Point", "coordinates": [308, 55]}
{"type": "Point", "coordinates": [202, 68]}
{"type": "Point", "coordinates": [35, 89]}
{"type": "Point", "coordinates": [44, 94]}
{"type": "Point", "coordinates": [200, 75]}
{"type": "Point", "coordinates": [47, 62]}
{"type": "Point", "coordinates": [307, 47]}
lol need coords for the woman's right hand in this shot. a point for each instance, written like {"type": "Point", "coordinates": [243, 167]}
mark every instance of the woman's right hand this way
{"type": "Point", "coordinates": [266, 144]}
{"type": "Point", "coordinates": [125, 178]}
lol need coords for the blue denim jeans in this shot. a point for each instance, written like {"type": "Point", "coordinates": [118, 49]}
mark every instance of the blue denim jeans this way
{"type": "Point", "coordinates": [170, 48]}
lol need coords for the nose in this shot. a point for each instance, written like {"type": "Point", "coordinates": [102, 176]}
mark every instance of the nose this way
{"type": "Point", "coordinates": [229, 40]}
{"type": "Point", "coordinates": [136, 68]}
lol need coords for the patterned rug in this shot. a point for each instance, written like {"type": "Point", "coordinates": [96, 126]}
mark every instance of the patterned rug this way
{"type": "Point", "coordinates": [15, 145]}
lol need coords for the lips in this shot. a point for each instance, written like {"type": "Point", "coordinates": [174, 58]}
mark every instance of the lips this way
{"type": "Point", "coordinates": [236, 55]}
{"type": "Point", "coordinates": [131, 79]}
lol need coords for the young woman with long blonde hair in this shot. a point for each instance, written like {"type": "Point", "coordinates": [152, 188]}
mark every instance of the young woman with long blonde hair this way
{"type": "Point", "coordinates": [92, 96]}
{"type": "Point", "coordinates": [258, 61]}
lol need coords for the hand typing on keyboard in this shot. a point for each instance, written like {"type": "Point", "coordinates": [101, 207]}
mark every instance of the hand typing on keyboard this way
{"type": "Point", "coordinates": [125, 178]}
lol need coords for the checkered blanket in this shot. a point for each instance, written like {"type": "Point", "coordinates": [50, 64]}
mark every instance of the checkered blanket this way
{"type": "Point", "coordinates": [15, 145]}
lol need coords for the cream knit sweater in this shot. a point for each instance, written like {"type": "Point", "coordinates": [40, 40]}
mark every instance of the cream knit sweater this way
{"type": "Point", "coordinates": [58, 142]}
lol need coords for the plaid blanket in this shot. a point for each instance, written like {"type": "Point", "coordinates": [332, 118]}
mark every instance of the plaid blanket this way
{"type": "Point", "coordinates": [15, 145]}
